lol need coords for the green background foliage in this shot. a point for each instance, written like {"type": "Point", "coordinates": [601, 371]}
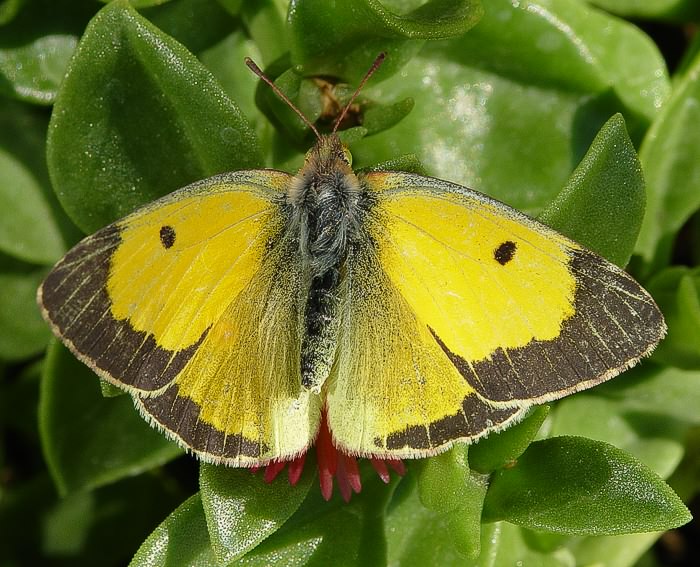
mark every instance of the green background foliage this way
{"type": "Point", "coordinates": [565, 109]}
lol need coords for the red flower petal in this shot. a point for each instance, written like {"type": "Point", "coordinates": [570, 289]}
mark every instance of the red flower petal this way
{"type": "Point", "coordinates": [397, 465]}
{"type": "Point", "coordinates": [272, 470]}
{"type": "Point", "coordinates": [380, 466]}
{"type": "Point", "coordinates": [333, 463]}
{"type": "Point", "coordinates": [296, 467]}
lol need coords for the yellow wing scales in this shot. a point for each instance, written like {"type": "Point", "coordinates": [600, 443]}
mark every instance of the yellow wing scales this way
{"type": "Point", "coordinates": [182, 304]}
{"type": "Point", "coordinates": [392, 392]}
{"type": "Point", "coordinates": [443, 315]}
{"type": "Point", "coordinates": [469, 313]}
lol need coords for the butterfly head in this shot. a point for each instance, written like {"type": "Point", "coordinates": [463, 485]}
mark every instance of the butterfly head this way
{"type": "Point", "coordinates": [328, 154]}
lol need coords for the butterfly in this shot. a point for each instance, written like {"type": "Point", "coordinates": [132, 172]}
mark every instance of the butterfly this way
{"type": "Point", "coordinates": [408, 312]}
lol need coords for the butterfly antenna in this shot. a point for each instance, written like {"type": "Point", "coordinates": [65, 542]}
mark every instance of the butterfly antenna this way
{"type": "Point", "coordinates": [253, 67]}
{"type": "Point", "coordinates": [377, 63]}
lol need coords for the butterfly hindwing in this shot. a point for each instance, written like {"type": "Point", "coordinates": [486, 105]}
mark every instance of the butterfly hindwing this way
{"type": "Point", "coordinates": [392, 392]}
{"type": "Point", "coordinates": [183, 303]}
{"type": "Point", "coordinates": [475, 313]}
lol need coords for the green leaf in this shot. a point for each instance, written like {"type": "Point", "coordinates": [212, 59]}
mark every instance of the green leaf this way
{"type": "Point", "coordinates": [677, 291]}
{"type": "Point", "coordinates": [577, 486]}
{"type": "Point", "coordinates": [242, 510]}
{"type": "Point", "coordinates": [565, 44]}
{"type": "Point", "coordinates": [500, 449]}
{"type": "Point", "coordinates": [616, 551]}
{"type": "Point", "coordinates": [79, 529]}
{"type": "Point", "coordinates": [89, 440]}
{"type": "Point", "coordinates": [656, 440]}
{"type": "Point", "coordinates": [506, 545]}
{"type": "Point", "coordinates": [182, 539]}
{"type": "Point", "coordinates": [32, 76]}
{"type": "Point", "coordinates": [212, 24]}
{"type": "Point", "coordinates": [408, 162]}
{"type": "Point", "coordinates": [224, 60]}
{"type": "Point", "coordinates": [670, 155]}
{"type": "Point", "coordinates": [321, 101]}
{"type": "Point", "coordinates": [22, 330]}
{"type": "Point", "coordinates": [675, 10]}
{"type": "Point", "coordinates": [526, 68]}
{"type": "Point", "coordinates": [36, 47]}
{"type": "Point", "coordinates": [231, 6]}
{"type": "Point", "coordinates": [378, 117]}
{"type": "Point", "coordinates": [31, 229]}
{"type": "Point", "coordinates": [141, 4]}
{"type": "Point", "coordinates": [9, 9]}
{"type": "Point", "coordinates": [265, 23]}
{"type": "Point", "coordinates": [656, 389]}
{"type": "Point", "coordinates": [605, 190]}
{"type": "Point", "coordinates": [417, 536]}
{"type": "Point", "coordinates": [330, 533]}
{"type": "Point", "coordinates": [443, 480]}
{"type": "Point", "coordinates": [137, 117]}
{"type": "Point", "coordinates": [446, 486]}
{"type": "Point", "coordinates": [358, 30]}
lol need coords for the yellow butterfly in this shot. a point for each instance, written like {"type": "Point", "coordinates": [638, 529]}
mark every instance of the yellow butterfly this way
{"type": "Point", "coordinates": [411, 312]}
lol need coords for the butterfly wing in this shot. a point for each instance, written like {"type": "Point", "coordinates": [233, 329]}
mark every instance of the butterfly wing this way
{"type": "Point", "coordinates": [461, 313]}
{"type": "Point", "coordinates": [192, 305]}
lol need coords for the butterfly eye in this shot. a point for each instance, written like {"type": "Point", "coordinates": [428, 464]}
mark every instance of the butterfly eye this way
{"type": "Point", "coordinates": [347, 156]}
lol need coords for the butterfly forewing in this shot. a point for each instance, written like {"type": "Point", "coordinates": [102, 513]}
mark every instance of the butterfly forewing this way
{"type": "Point", "coordinates": [183, 303]}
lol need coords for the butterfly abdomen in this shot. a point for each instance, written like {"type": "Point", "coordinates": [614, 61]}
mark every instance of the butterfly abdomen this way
{"type": "Point", "coordinates": [326, 200]}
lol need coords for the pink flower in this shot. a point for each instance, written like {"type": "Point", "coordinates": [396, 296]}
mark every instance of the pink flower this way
{"type": "Point", "coordinates": [333, 463]}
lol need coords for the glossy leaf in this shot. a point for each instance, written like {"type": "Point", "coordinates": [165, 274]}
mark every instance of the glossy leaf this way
{"type": "Point", "coordinates": [22, 330]}
{"type": "Point", "coordinates": [670, 155]}
{"type": "Point", "coordinates": [660, 390]}
{"type": "Point", "coordinates": [330, 533]}
{"type": "Point", "coordinates": [417, 536]}
{"type": "Point", "coordinates": [500, 449]}
{"type": "Point", "coordinates": [443, 480]}
{"type": "Point", "coordinates": [149, 116]}
{"type": "Point", "coordinates": [31, 229]}
{"type": "Point", "coordinates": [142, 3]}
{"type": "Point", "coordinates": [605, 190]}
{"type": "Point", "coordinates": [505, 545]}
{"type": "Point", "coordinates": [27, 70]}
{"type": "Point", "coordinates": [242, 510]}
{"type": "Point", "coordinates": [679, 10]}
{"type": "Point", "coordinates": [479, 98]}
{"type": "Point", "coordinates": [620, 551]}
{"type": "Point", "coordinates": [359, 30]}
{"type": "Point", "coordinates": [36, 47]}
{"type": "Point", "coordinates": [265, 22]}
{"type": "Point", "coordinates": [677, 291]}
{"type": "Point", "coordinates": [655, 440]}
{"type": "Point", "coordinates": [9, 9]}
{"type": "Point", "coordinates": [446, 486]}
{"type": "Point", "coordinates": [78, 529]}
{"type": "Point", "coordinates": [182, 539]}
{"type": "Point", "coordinates": [608, 56]}
{"type": "Point", "coordinates": [89, 440]}
{"type": "Point", "coordinates": [224, 60]}
{"type": "Point", "coordinates": [579, 486]}
{"type": "Point", "coordinates": [175, 18]}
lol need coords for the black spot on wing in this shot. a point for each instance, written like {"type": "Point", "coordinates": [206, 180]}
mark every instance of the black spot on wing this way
{"type": "Point", "coordinates": [167, 236]}
{"type": "Point", "coordinates": [505, 252]}
{"type": "Point", "coordinates": [180, 415]}
{"type": "Point", "coordinates": [615, 322]}
{"type": "Point", "coordinates": [75, 299]}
